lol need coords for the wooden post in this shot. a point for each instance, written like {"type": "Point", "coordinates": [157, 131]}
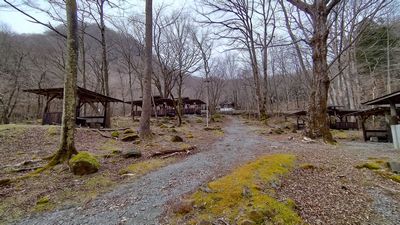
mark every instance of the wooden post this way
{"type": "Point", "coordinates": [105, 114]}
{"type": "Point", "coordinates": [363, 119]}
{"type": "Point", "coordinates": [392, 120]}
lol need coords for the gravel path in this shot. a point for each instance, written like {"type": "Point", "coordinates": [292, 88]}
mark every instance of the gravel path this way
{"type": "Point", "coordinates": [141, 201]}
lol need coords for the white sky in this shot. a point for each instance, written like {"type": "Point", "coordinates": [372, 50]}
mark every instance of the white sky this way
{"type": "Point", "coordinates": [19, 23]}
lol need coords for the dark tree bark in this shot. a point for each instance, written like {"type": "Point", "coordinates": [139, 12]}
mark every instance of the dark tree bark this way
{"type": "Point", "coordinates": [67, 144]}
{"type": "Point", "coordinates": [318, 119]}
{"type": "Point", "coordinates": [144, 126]}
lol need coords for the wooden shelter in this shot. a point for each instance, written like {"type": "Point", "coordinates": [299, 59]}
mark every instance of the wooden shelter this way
{"type": "Point", "coordinates": [387, 107]}
{"type": "Point", "coordinates": [340, 118]}
{"type": "Point", "coordinates": [381, 134]}
{"type": "Point", "coordinates": [84, 97]}
{"type": "Point", "coordinates": [300, 118]}
{"type": "Point", "coordinates": [166, 106]}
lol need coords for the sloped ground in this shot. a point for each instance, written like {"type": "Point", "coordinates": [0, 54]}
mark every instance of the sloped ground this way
{"type": "Point", "coordinates": [325, 185]}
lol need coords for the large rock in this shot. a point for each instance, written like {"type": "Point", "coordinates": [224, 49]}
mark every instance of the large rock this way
{"type": "Point", "coordinates": [84, 163]}
{"type": "Point", "coordinates": [394, 166]}
{"type": "Point", "coordinates": [132, 154]}
{"type": "Point", "coordinates": [130, 137]}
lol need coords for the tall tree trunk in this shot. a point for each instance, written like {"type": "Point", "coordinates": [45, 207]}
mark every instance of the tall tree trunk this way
{"type": "Point", "coordinates": [67, 144]}
{"type": "Point", "coordinates": [318, 119]}
{"type": "Point", "coordinates": [144, 127]}
{"type": "Point", "coordinates": [105, 64]}
{"type": "Point", "coordinates": [83, 58]}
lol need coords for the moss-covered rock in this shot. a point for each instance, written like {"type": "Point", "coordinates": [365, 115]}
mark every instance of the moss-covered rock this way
{"type": "Point", "coordinates": [176, 138]}
{"type": "Point", "coordinates": [84, 163]}
{"type": "Point", "coordinates": [115, 134]}
{"type": "Point", "coordinates": [130, 137]}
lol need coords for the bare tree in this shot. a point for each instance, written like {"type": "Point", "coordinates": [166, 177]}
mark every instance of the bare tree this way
{"type": "Point", "coordinates": [318, 120]}
{"type": "Point", "coordinates": [236, 18]}
{"type": "Point", "coordinates": [186, 55]}
{"type": "Point", "coordinates": [204, 43]}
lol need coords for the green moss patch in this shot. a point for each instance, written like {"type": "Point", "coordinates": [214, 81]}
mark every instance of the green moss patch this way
{"type": "Point", "coordinates": [144, 167]}
{"type": "Point", "coordinates": [242, 195]}
{"type": "Point", "coordinates": [369, 165]}
{"type": "Point", "coordinates": [43, 204]}
{"type": "Point", "coordinates": [395, 177]}
{"type": "Point", "coordinates": [115, 134]}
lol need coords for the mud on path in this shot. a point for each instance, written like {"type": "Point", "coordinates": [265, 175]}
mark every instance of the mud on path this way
{"type": "Point", "coordinates": [142, 201]}
{"type": "Point", "coordinates": [333, 193]}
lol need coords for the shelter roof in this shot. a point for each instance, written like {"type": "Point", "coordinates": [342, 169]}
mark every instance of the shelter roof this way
{"type": "Point", "coordinates": [84, 95]}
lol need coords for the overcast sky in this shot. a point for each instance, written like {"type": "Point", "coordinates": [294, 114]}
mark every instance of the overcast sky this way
{"type": "Point", "coordinates": [19, 23]}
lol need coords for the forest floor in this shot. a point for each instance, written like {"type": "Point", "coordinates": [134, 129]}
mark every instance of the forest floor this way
{"type": "Point", "coordinates": [324, 184]}
{"type": "Point", "coordinates": [22, 148]}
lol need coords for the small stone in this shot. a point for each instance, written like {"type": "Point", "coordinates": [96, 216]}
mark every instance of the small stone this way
{"type": "Point", "coordinates": [132, 154]}
{"type": "Point", "coordinates": [394, 166]}
{"type": "Point", "coordinates": [176, 138]}
{"type": "Point", "coordinates": [4, 182]}
{"type": "Point", "coordinates": [130, 137]}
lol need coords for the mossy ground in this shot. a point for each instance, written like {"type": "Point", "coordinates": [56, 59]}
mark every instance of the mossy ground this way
{"type": "Point", "coordinates": [379, 165]}
{"type": "Point", "coordinates": [110, 146]}
{"type": "Point", "coordinates": [243, 194]}
{"type": "Point", "coordinates": [350, 135]}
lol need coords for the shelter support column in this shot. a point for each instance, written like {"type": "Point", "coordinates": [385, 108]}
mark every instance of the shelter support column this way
{"type": "Point", "coordinates": [105, 114]}
{"type": "Point", "coordinates": [392, 119]}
